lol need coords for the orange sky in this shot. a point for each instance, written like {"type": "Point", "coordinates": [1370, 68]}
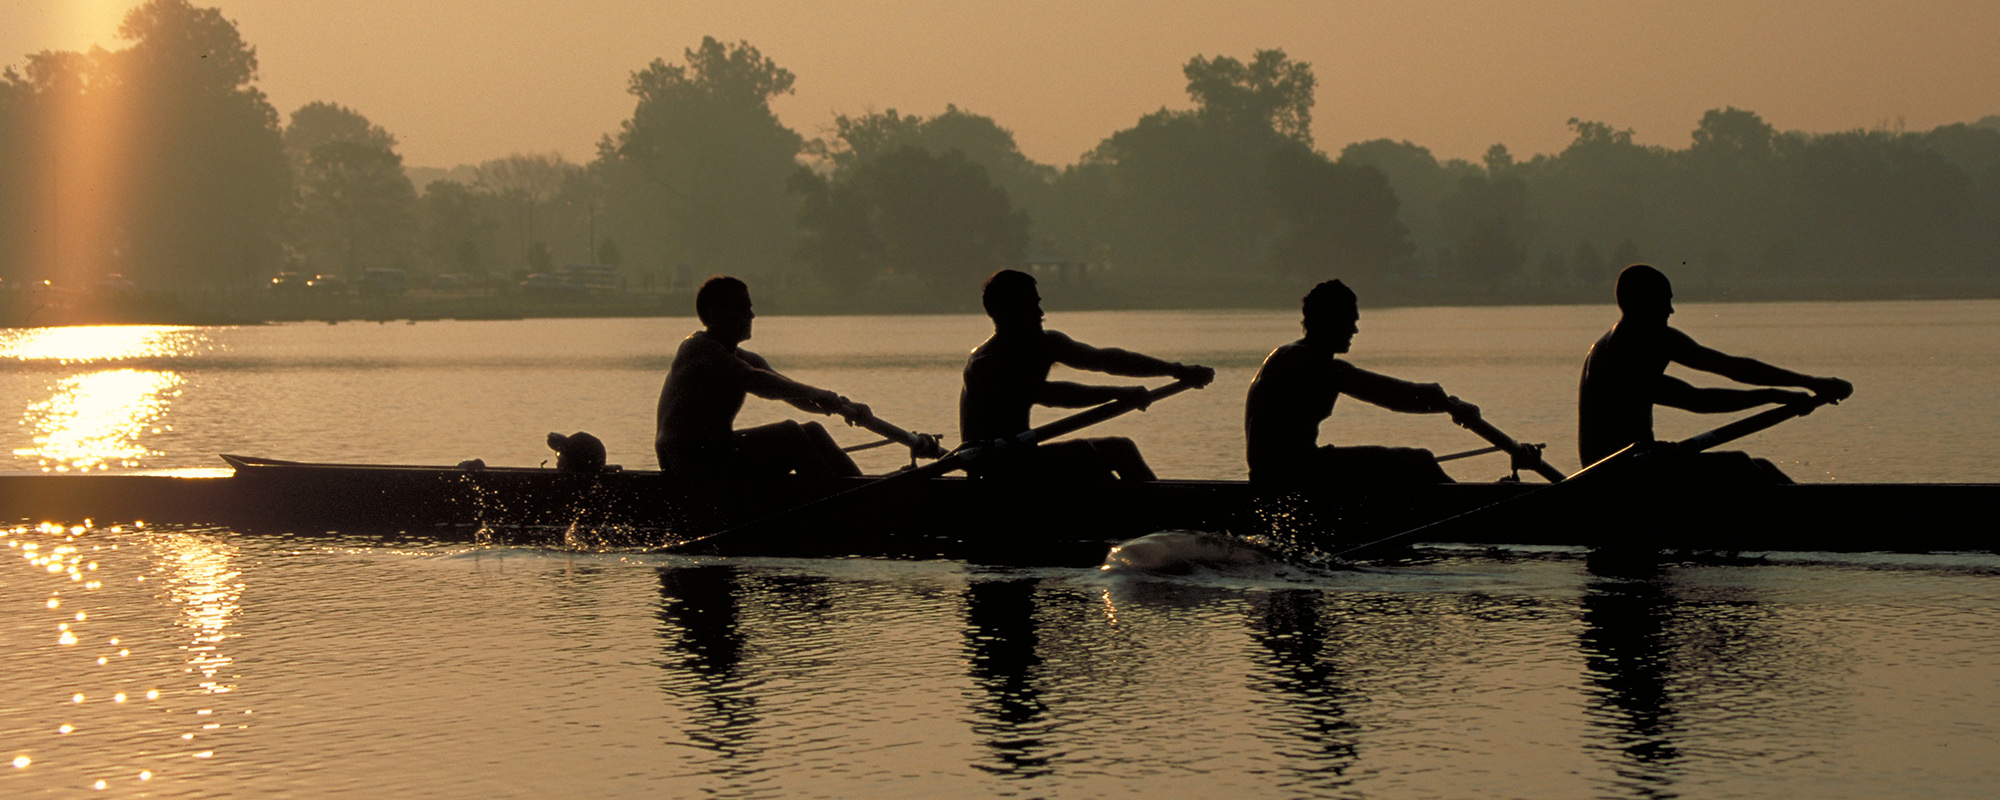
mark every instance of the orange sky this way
{"type": "Point", "coordinates": [459, 81]}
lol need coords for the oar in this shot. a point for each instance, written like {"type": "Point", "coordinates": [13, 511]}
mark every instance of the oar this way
{"type": "Point", "coordinates": [856, 448]}
{"type": "Point", "coordinates": [1529, 456]}
{"type": "Point", "coordinates": [922, 445]}
{"type": "Point", "coordinates": [1630, 457]}
{"type": "Point", "coordinates": [1448, 457]}
{"type": "Point", "coordinates": [958, 459]}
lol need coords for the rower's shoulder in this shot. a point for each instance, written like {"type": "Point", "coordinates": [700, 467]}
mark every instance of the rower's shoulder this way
{"type": "Point", "coordinates": [1629, 336]}
{"type": "Point", "coordinates": [1300, 354]}
{"type": "Point", "coordinates": [703, 349]}
{"type": "Point", "coordinates": [1023, 342]}
{"type": "Point", "coordinates": [699, 340]}
{"type": "Point", "coordinates": [1058, 339]}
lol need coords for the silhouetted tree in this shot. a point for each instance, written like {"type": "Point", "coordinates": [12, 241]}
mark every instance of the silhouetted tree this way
{"type": "Point", "coordinates": [858, 140]}
{"type": "Point", "coordinates": [208, 174]}
{"type": "Point", "coordinates": [459, 226]}
{"type": "Point", "coordinates": [1337, 219]}
{"type": "Point", "coordinates": [1272, 92]}
{"type": "Point", "coordinates": [935, 218]}
{"type": "Point", "coordinates": [17, 148]}
{"type": "Point", "coordinates": [357, 209]}
{"type": "Point", "coordinates": [1588, 265]}
{"type": "Point", "coordinates": [1488, 221]}
{"type": "Point", "coordinates": [1419, 181]}
{"type": "Point", "coordinates": [160, 161]}
{"type": "Point", "coordinates": [1192, 187]}
{"type": "Point", "coordinates": [700, 170]}
{"type": "Point", "coordinates": [523, 182]}
{"type": "Point", "coordinates": [320, 122]}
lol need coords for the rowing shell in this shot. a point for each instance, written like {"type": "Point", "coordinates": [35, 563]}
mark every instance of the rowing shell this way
{"type": "Point", "coordinates": [996, 521]}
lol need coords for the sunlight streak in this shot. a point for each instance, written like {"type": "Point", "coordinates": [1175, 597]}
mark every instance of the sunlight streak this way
{"type": "Point", "coordinates": [92, 343]}
{"type": "Point", "coordinates": [204, 579]}
{"type": "Point", "coordinates": [95, 421]}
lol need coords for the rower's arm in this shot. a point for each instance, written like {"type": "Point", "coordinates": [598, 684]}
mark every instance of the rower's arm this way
{"type": "Point", "coordinates": [1677, 393]}
{"type": "Point", "coordinates": [759, 379]}
{"type": "Point", "coordinates": [1684, 350]}
{"type": "Point", "coordinates": [1396, 394]}
{"type": "Point", "coordinates": [1066, 394]}
{"type": "Point", "coordinates": [1114, 361]}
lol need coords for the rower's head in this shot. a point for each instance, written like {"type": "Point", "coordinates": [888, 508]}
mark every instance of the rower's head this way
{"type": "Point", "coordinates": [723, 304]}
{"type": "Point", "coordinates": [1644, 294]}
{"type": "Point", "coordinates": [1332, 316]}
{"type": "Point", "coordinates": [1011, 299]}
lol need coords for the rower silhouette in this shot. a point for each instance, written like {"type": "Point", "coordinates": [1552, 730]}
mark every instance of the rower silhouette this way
{"type": "Point", "coordinates": [1008, 375]}
{"type": "Point", "coordinates": [1625, 376]}
{"type": "Point", "coordinates": [706, 386]}
{"type": "Point", "coordinates": [1296, 388]}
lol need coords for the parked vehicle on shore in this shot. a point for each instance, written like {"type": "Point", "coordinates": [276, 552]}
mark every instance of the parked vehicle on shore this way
{"type": "Point", "coordinates": [594, 278]}
{"type": "Point", "coordinates": [543, 284]}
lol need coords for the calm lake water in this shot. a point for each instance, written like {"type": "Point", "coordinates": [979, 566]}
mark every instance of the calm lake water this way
{"type": "Point", "coordinates": [176, 662]}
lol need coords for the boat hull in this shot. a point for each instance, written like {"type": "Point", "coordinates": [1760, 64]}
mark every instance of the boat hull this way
{"type": "Point", "coordinates": [997, 521]}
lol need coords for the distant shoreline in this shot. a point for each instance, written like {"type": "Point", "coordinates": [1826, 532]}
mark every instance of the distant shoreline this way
{"type": "Point", "coordinates": [34, 309]}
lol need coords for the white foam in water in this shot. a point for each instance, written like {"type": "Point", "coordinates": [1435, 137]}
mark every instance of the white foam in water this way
{"type": "Point", "coordinates": [1183, 552]}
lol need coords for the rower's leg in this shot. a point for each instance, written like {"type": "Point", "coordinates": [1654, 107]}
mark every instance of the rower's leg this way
{"type": "Point", "coordinates": [764, 452]}
{"type": "Point", "coordinates": [1735, 467]}
{"type": "Point", "coordinates": [1121, 455]}
{"type": "Point", "coordinates": [820, 448]}
{"type": "Point", "coordinates": [1374, 464]}
{"type": "Point", "coordinates": [1423, 466]}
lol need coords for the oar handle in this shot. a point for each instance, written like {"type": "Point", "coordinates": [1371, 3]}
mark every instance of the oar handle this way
{"type": "Point", "coordinates": [974, 451]}
{"type": "Point", "coordinates": [1524, 455]}
{"type": "Point", "coordinates": [1468, 454]}
{"type": "Point", "coordinates": [922, 445]}
{"type": "Point", "coordinates": [1092, 416]}
{"type": "Point", "coordinates": [1751, 424]}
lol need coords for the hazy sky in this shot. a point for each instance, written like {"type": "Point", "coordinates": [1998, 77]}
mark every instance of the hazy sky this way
{"type": "Point", "coordinates": [459, 81]}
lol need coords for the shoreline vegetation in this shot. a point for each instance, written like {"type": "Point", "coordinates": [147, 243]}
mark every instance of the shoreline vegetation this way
{"type": "Point", "coordinates": [228, 211]}
{"type": "Point", "coordinates": [32, 309]}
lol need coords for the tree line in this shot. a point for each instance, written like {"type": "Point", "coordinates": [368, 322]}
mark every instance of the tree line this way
{"type": "Point", "coordinates": [164, 163]}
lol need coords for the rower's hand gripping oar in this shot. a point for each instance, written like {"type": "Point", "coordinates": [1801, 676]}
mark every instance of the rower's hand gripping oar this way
{"type": "Point", "coordinates": [957, 459]}
{"type": "Point", "coordinates": [1624, 460]}
{"type": "Point", "coordinates": [1525, 456]}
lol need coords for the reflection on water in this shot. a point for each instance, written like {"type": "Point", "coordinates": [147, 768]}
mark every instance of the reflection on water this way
{"type": "Point", "coordinates": [95, 421]}
{"type": "Point", "coordinates": [202, 577]}
{"type": "Point", "coordinates": [1001, 640]}
{"type": "Point", "coordinates": [133, 657]}
{"type": "Point", "coordinates": [1304, 679]}
{"type": "Point", "coordinates": [1630, 657]}
{"type": "Point", "coordinates": [94, 343]}
{"type": "Point", "coordinates": [115, 686]}
{"type": "Point", "coordinates": [701, 624]}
